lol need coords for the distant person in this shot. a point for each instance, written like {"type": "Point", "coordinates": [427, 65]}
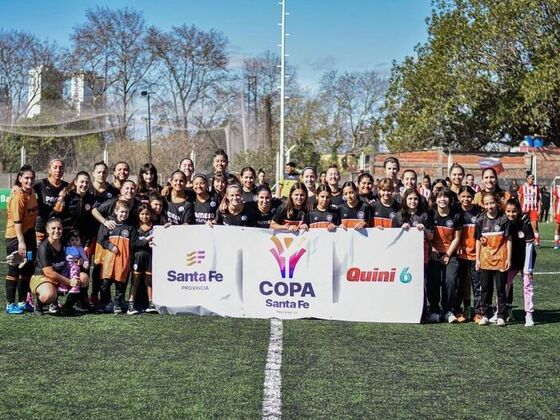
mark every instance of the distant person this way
{"type": "Point", "coordinates": [556, 215]}
{"type": "Point", "coordinates": [530, 199]}
{"type": "Point", "coordinates": [513, 189]}
{"type": "Point", "coordinates": [392, 167]}
{"type": "Point", "coordinates": [261, 178]}
{"type": "Point", "coordinates": [323, 178]}
{"type": "Point", "coordinates": [121, 171]}
{"type": "Point", "coordinates": [289, 179]}
{"type": "Point", "coordinates": [545, 204]}
{"type": "Point", "coordinates": [469, 180]}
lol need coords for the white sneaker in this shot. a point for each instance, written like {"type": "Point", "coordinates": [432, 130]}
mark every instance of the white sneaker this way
{"type": "Point", "coordinates": [501, 322]}
{"type": "Point", "coordinates": [494, 318]}
{"type": "Point", "coordinates": [510, 317]}
{"type": "Point", "coordinates": [529, 322]}
{"type": "Point", "coordinates": [483, 321]}
{"type": "Point", "coordinates": [449, 317]}
{"type": "Point", "coordinates": [433, 317]}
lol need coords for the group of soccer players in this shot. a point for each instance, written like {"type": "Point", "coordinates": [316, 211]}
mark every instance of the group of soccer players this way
{"type": "Point", "coordinates": [78, 239]}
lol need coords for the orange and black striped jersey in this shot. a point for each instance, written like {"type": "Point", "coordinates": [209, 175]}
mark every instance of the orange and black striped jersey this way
{"type": "Point", "coordinates": [22, 209]}
{"type": "Point", "coordinates": [444, 228]}
{"type": "Point", "coordinates": [321, 219]}
{"type": "Point", "coordinates": [383, 215]}
{"type": "Point", "coordinates": [297, 217]}
{"type": "Point", "coordinates": [467, 246]}
{"type": "Point", "coordinates": [351, 216]}
{"type": "Point", "coordinates": [124, 237]}
{"type": "Point", "coordinates": [493, 235]}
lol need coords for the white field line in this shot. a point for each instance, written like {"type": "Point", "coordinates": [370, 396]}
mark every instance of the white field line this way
{"type": "Point", "coordinates": [272, 392]}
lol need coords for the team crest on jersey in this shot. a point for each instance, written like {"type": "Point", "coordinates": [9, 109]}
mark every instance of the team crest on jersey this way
{"type": "Point", "coordinates": [254, 198]}
{"type": "Point", "coordinates": [135, 267]}
{"type": "Point", "coordinates": [272, 211]}
{"type": "Point", "coordinates": [521, 234]}
{"type": "Point", "coordinates": [181, 209]}
{"type": "Point", "coordinates": [449, 223]}
{"type": "Point", "coordinates": [244, 218]}
{"type": "Point", "coordinates": [212, 204]}
{"type": "Point", "coordinates": [329, 218]}
{"type": "Point", "coordinates": [473, 219]}
{"type": "Point", "coordinates": [361, 215]}
{"type": "Point", "coordinates": [125, 233]}
{"type": "Point", "coordinates": [87, 207]}
{"type": "Point", "coordinates": [109, 195]}
{"type": "Point", "coordinates": [497, 228]}
{"type": "Point", "coordinates": [392, 215]}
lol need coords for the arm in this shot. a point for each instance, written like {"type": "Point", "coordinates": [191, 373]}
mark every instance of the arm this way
{"type": "Point", "coordinates": [59, 278]}
{"type": "Point", "coordinates": [100, 215]}
{"type": "Point", "coordinates": [103, 239]}
{"type": "Point", "coordinates": [509, 248]}
{"type": "Point", "coordinates": [478, 247]}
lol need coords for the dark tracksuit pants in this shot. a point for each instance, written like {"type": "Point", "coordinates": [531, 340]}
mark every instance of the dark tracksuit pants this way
{"type": "Point", "coordinates": [443, 283]}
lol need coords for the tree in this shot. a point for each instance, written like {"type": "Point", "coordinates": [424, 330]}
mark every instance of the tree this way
{"type": "Point", "coordinates": [487, 75]}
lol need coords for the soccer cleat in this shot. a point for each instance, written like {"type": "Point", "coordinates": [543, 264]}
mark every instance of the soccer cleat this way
{"type": "Point", "coordinates": [53, 308]}
{"type": "Point", "coordinates": [510, 317]}
{"type": "Point", "coordinates": [494, 318]}
{"type": "Point", "coordinates": [13, 309]}
{"type": "Point", "coordinates": [483, 321]}
{"type": "Point", "coordinates": [501, 322]}
{"type": "Point", "coordinates": [151, 309]}
{"type": "Point", "coordinates": [529, 322]}
{"type": "Point", "coordinates": [477, 318]}
{"type": "Point", "coordinates": [449, 317]}
{"type": "Point", "coordinates": [461, 319]}
{"type": "Point", "coordinates": [132, 309]}
{"type": "Point", "coordinates": [25, 306]}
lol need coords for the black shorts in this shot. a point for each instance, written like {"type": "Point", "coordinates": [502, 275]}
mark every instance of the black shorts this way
{"type": "Point", "coordinates": [142, 262]}
{"type": "Point", "coordinates": [31, 244]}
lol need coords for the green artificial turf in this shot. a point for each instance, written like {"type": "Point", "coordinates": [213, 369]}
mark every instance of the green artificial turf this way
{"type": "Point", "coordinates": [95, 366]}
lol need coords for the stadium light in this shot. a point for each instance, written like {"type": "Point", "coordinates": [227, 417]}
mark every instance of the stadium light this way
{"type": "Point", "coordinates": [147, 95]}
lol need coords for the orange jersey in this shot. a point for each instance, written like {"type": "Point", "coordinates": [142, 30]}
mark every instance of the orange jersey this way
{"type": "Point", "coordinates": [22, 209]}
{"type": "Point", "coordinates": [384, 216]}
{"type": "Point", "coordinates": [116, 267]}
{"type": "Point", "coordinates": [467, 246]}
{"type": "Point", "coordinates": [493, 235]}
{"type": "Point", "coordinates": [444, 228]}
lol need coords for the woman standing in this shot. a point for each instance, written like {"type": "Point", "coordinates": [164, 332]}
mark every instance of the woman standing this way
{"type": "Point", "coordinates": [490, 185]}
{"type": "Point", "coordinates": [49, 191]}
{"type": "Point", "coordinates": [147, 182]}
{"type": "Point", "coordinates": [179, 210]}
{"type": "Point", "coordinates": [205, 205]}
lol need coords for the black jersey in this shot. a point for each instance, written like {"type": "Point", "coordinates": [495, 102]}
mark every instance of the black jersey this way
{"type": "Point", "coordinates": [383, 215]}
{"type": "Point", "coordinates": [47, 196]}
{"type": "Point", "coordinates": [336, 201]}
{"type": "Point", "coordinates": [493, 234]}
{"type": "Point", "coordinates": [76, 214]}
{"type": "Point", "coordinates": [107, 209]}
{"type": "Point", "coordinates": [245, 218]}
{"type": "Point", "coordinates": [296, 218]}
{"type": "Point", "coordinates": [48, 256]}
{"type": "Point", "coordinates": [351, 216]}
{"type": "Point", "coordinates": [521, 232]}
{"type": "Point", "coordinates": [143, 195]}
{"type": "Point", "coordinates": [249, 196]}
{"type": "Point", "coordinates": [369, 198]}
{"type": "Point", "coordinates": [321, 219]}
{"type": "Point", "coordinates": [180, 213]}
{"type": "Point", "coordinates": [100, 197]}
{"type": "Point", "coordinates": [263, 219]}
{"type": "Point", "coordinates": [413, 219]}
{"type": "Point", "coordinates": [205, 211]}
{"type": "Point", "coordinates": [444, 228]}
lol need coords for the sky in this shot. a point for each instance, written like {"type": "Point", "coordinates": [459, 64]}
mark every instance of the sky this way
{"type": "Point", "coordinates": [343, 35]}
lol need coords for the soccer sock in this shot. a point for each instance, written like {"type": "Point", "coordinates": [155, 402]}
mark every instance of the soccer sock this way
{"type": "Point", "coordinates": [23, 288]}
{"type": "Point", "coordinates": [557, 239]}
{"type": "Point", "coordinates": [136, 278]}
{"type": "Point", "coordinates": [537, 239]}
{"type": "Point", "coordinates": [148, 280]}
{"type": "Point", "coordinates": [11, 287]}
{"type": "Point", "coordinates": [83, 295]}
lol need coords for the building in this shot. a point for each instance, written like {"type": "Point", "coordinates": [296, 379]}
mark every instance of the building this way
{"type": "Point", "coordinates": [45, 84]}
{"type": "Point", "coordinates": [86, 91]}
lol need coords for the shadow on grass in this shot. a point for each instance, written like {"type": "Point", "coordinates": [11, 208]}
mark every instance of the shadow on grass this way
{"type": "Point", "coordinates": [542, 316]}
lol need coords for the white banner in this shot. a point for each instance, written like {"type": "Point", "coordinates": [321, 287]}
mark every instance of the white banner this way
{"type": "Point", "coordinates": [371, 275]}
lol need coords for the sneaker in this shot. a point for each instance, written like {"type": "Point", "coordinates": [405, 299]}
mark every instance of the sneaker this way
{"type": "Point", "coordinates": [529, 322]}
{"type": "Point", "coordinates": [132, 309]}
{"type": "Point", "coordinates": [494, 318]}
{"type": "Point", "coordinates": [13, 309]}
{"type": "Point", "coordinates": [501, 322]}
{"type": "Point", "coordinates": [25, 306]}
{"type": "Point", "coordinates": [461, 318]}
{"type": "Point", "coordinates": [117, 310]}
{"type": "Point", "coordinates": [510, 317]}
{"type": "Point", "coordinates": [477, 318]}
{"type": "Point", "coordinates": [433, 317]}
{"type": "Point", "coordinates": [449, 317]}
{"type": "Point", "coordinates": [151, 309]}
{"type": "Point", "coordinates": [556, 246]}
{"type": "Point", "coordinates": [53, 308]}
{"type": "Point", "coordinates": [483, 321]}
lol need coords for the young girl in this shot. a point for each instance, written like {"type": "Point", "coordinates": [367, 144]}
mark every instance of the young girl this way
{"type": "Point", "coordinates": [179, 210]}
{"type": "Point", "coordinates": [75, 259]}
{"type": "Point", "coordinates": [309, 179]}
{"type": "Point", "coordinates": [187, 166]}
{"type": "Point", "coordinates": [413, 214]}
{"type": "Point", "coordinates": [365, 189]}
{"type": "Point", "coordinates": [353, 213]}
{"type": "Point", "coordinates": [385, 210]}
{"type": "Point", "coordinates": [443, 275]}
{"type": "Point", "coordinates": [493, 257]}
{"type": "Point", "coordinates": [157, 205]}
{"type": "Point", "coordinates": [205, 205]}
{"type": "Point", "coordinates": [321, 217]}
{"type": "Point", "coordinates": [219, 184]}
{"type": "Point", "coordinates": [522, 259]}
{"type": "Point", "coordinates": [233, 211]}
{"type": "Point", "coordinates": [292, 216]}
{"type": "Point", "coordinates": [248, 176]}
{"type": "Point", "coordinates": [468, 275]}
{"type": "Point", "coordinates": [142, 261]}
{"type": "Point", "coordinates": [426, 187]}
{"type": "Point", "coordinates": [333, 179]}
{"type": "Point", "coordinates": [266, 207]}
{"type": "Point", "coordinates": [147, 182]}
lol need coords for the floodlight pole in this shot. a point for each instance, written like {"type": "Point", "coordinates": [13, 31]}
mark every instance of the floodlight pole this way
{"type": "Point", "coordinates": [281, 150]}
{"type": "Point", "coordinates": [147, 95]}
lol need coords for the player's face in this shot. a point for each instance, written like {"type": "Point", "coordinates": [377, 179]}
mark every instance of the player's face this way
{"type": "Point", "coordinates": [121, 213]}
{"type": "Point", "coordinates": [349, 195]}
{"type": "Point", "coordinates": [323, 200]}
{"type": "Point", "coordinates": [178, 182]}
{"type": "Point", "coordinates": [100, 174]}
{"type": "Point", "coordinates": [333, 176]}
{"type": "Point", "coordinates": [385, 195]}
{"type": "Point", "coordinates": [219, 163]}
{"type": "Point", "coordinates": [530, 180]}
{"type": "Point", "coordinates": [157, 206]}
{"type": "Point", "coordinates": [82, 184]}
{"type": "Point", "coordinates": [470, 180]}
{"type": "Point", "coordinates": [56, 169]}
{"type": "Point", "coordinates": [187, 167]}
{"type": "Point", "coordinates": [412, 201]}
{"type": "Point", "coordinates": [128, 191]}
{"type": "Point", "coordinates": [489, 180]}
{"type": "Point", "coordinates": [263, 200]}
{"type": "Point", "coordinates": [309, 178]}
{"type": "Point", "coordinates": [298, 197]}
{"type": "Point", "coordinates": [121, 172]}
{"type": "Point", "coordinates": [490, 204]}
{"type": "Point", "coordinates": [148, 177]}
{"type": "Point", "coordinates": [27, 179]}
{"type": "Point", "coordinates": [260, 177]}
{"type": "Point", "coordinates": [391, 170]}
{"type": "Point", "coordinates": [365, 186]}
{"type": "Point", "coordinates": [144, 216]}
{"type": "Point", "coordinates": [323, 178]}
{"type": "Point", "coordinates": [457, 176]}
{"type": "Point", "coordinates": [219, 185]}
{"type": "Point", "coordinates": [248, 179]}
{"type": "Point", "coordinates": [54, 230]}
{"type": "Point", "coordinates": [234, 196]}
{"type": "Point", "coordinates": [409, 180]}
{"type": "Point", "coordinates": [200, 186]}
{"type": "Point", "coordinates": [465, 199]}
{"type": "Point", "coordinates": [511, 212]}
{"type": "Point", "coordinates": [442, 202]}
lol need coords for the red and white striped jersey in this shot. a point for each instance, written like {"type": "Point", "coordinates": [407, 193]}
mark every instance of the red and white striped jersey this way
{"type": "Point", "coordinates": [556, 195]}
{"type": "Point", "coordinates": [426, 192]}
{"type": "Point", "coordinates": [529, 197]}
